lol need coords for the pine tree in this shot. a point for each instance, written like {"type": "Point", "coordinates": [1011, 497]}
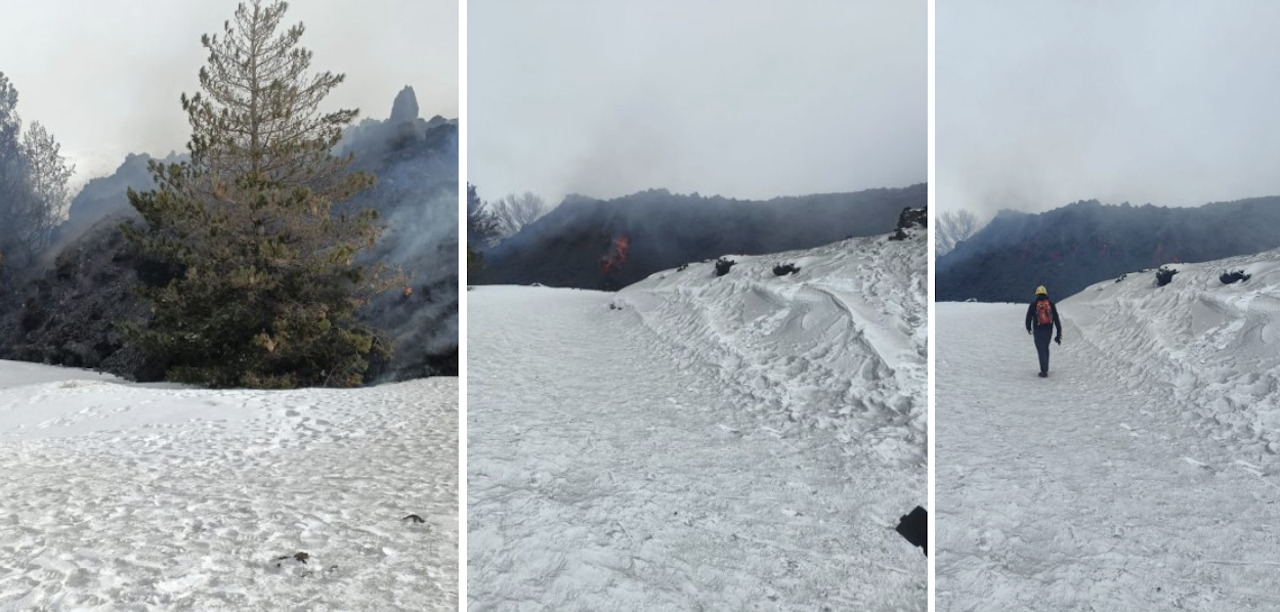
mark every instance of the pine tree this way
{"type": "Point", "coordinates": [482, 228]}
{"type": "Point", "coordinates": [47, 175]}
{"type": "Point", "coordinates": [266, 280]}
{"type": "Point", "coordinates": [13, 189]}
{"type": "Point", "coordinates": [33, 188]}
{"type": "Point", "coordinates": [482, 225]}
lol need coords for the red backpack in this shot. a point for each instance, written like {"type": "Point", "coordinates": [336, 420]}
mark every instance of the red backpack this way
{"type": "Point", "coordinates": [1044, 313]}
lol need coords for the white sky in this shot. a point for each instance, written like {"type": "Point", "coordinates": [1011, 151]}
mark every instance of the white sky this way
{"type": "Point", "coordinates": [105, 77]}
{"type": "Point", "coordinates": [1168, 102]}
{"type": "Point", "coordinates": [749, 99]}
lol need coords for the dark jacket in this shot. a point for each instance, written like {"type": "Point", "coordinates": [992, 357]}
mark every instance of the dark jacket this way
{"type": "Point", "coordinates": [1031, 316]}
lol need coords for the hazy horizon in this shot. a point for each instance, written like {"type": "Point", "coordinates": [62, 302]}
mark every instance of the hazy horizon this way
{"type": "Point", "coordinates": [105, 87]}
{"type": "Point", "coordinates": [754, 101]}
{"type": "Point", "coordinates": [1164, 103]}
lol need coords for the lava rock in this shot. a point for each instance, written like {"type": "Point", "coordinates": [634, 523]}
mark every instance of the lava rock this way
{"type": "Point", "coordinates": [72, 315]}
{"type": "Point", "coordinates": [785, 269]}
{"type": "Point", "coordinates": [723, 265]}
{"type": "Point", "coordinates": [1235, 276]}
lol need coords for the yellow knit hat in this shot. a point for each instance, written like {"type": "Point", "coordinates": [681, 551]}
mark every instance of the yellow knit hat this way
{"type": "Point", "coordinates": [1041, 290]}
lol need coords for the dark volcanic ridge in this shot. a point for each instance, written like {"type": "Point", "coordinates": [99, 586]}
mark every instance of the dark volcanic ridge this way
{"type": "Point", "coordinates": [1070, 248]}
{"type": "Point", "coordinates": [609, 244]}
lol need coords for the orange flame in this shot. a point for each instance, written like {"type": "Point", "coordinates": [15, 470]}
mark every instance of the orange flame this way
{"type": "Point", "coordinates": [617, 256]}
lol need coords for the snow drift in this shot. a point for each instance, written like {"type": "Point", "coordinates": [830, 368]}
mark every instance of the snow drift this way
{"type": "Point", "coordinates": [840, 345]}
{"type": "Point", "coordinates": [1208, 348]}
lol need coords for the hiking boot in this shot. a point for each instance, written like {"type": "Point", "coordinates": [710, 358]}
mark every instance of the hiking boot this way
{"type": "Point", "coordinates": [1044, 375]}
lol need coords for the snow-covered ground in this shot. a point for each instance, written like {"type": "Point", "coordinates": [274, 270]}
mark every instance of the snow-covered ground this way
{"type": "Point", "coordinates": [840, 346]}
{"type": "Point", "coordinates": [1142, 474]}
{"type": "Point", "coordinates": [745, 442]}
{"type": "Point", "coordinates": [117, 496]}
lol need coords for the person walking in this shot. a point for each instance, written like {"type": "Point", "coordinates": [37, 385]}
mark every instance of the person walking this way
{"type": "Point", "coordinates": [1042, 319]}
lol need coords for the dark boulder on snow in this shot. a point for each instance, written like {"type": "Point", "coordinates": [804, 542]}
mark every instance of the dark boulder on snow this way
{"type": "Point", "coordinates": [785, 269]}
{"type": "Point", "coordinates": [723, 265]}
{"type": "Point", "coordinates": [913, 217]}
{"type": "Point", "coordinates": [1232, 277]}
{"type": "Point", "coordinates": [1164, 276]}
{"type": "Point", "coordinates": [914, 527]}
{"type": "Point", "coordinates": [909, 219]}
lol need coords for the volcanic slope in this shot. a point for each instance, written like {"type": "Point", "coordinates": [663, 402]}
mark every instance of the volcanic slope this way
{"type": "Point", "coordinates": [739, 442]}
{"type": "Point", "coordinates": [1142, 474]}
{"type": "Point", "coordinates": [576, 244]}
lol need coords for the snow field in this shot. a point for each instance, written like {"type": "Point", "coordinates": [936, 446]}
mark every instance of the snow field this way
{"type": "Point", "coordinates": [1091, 490]}
{"type": "Point", "coordinates": [686, 447]}
{"type": "Point", "coordinates": [116, 496]}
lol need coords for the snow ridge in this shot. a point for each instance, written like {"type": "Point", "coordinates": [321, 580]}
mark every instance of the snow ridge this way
{"type": "Point", "coordinates": [1206, 348]}
{"type": "Point", "coordinates": [841, 345]}
{"type": "Point", "coordinates": [604, 475]}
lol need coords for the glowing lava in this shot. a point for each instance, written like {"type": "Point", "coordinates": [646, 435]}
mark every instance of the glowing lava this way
{"type": "Point", "coordinates": [617, 255]}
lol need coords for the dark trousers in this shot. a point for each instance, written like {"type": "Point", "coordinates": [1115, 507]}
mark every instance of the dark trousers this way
{"type": "Point", "coordinates": [1044, 335]}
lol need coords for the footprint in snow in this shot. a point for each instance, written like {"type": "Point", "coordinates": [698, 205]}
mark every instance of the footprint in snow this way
{"type": "Point", "coordinates": [1199, 464]}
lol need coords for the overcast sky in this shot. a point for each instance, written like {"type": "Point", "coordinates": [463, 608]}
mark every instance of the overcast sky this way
{"type": "Point", "coordinates": [106, 81]}
{"type": "Point", "coordinates": [1039, 104]}
{"type": "Point", "coordinates": [745, 99]}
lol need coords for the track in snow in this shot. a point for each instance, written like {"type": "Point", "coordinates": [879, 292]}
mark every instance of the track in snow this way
{"type": "Point", "coordinates": [1077, 492]}
{"type": "Point", "coordinates": [119, 496]}
{"type": "Point", "coordinates": [602, 476]}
